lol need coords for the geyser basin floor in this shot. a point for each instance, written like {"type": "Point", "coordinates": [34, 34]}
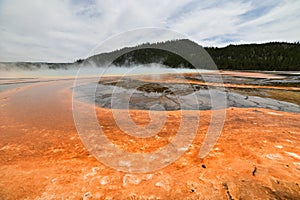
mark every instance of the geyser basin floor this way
{"type": "Point", "coordinates": [41, 156]}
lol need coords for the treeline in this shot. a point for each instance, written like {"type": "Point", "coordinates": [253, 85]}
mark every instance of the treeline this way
{"type": "Point", "coordinates": [281, 56]}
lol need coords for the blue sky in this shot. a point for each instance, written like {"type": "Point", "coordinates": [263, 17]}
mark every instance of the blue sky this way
{"type": "Point", "coordinates": [65, 30]}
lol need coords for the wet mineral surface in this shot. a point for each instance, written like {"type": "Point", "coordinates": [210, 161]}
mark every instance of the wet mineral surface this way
{"type": "Point", "coordinates": [178, 93]}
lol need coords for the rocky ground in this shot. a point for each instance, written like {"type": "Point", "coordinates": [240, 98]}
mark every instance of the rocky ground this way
{"type": "Point", "coordinates": [257, 155]}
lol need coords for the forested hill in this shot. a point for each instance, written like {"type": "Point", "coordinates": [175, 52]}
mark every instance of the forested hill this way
{"type": "Point", "coordinates": [279, 56]}
{"type": "Point", "coordinates": [269, 56]}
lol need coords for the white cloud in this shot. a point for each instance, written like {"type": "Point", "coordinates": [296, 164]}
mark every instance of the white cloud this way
{"type": "Point", "coordinates": [64, 30]}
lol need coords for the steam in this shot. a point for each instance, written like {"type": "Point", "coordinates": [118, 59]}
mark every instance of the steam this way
{"type": "Point", "coordinates": [27, 70]}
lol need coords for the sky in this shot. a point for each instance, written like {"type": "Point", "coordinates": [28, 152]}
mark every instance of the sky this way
{"type": "Point", "coordinates": [66, 30]}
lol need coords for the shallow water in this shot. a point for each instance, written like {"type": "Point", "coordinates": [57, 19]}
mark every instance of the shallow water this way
{"type": "Point", "coordinates": [135, 93]}
{"type": "Point", "coordinates": [17, 75]}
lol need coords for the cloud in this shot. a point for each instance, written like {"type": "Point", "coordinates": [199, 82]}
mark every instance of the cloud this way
{"type": "Point", "coordinates": [65, 30]}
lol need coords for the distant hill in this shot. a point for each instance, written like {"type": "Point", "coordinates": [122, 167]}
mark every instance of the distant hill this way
{"type": "Point", "coordinates": [157, 53]}
{"type": "Point", "coordinates": [281, 56]}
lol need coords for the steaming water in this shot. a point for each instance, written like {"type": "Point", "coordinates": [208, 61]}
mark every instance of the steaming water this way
{"type": "Point", "coordinates": [14, 75]}
{"type": "Point", "coordinates": [31, 71]}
